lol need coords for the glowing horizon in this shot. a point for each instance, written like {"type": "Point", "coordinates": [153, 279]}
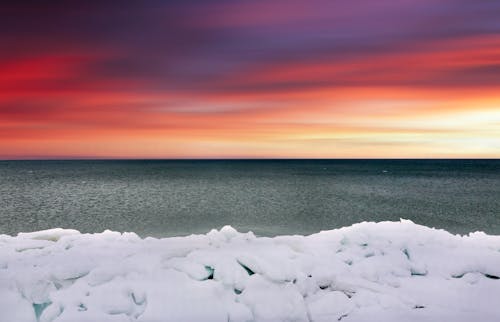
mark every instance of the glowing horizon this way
{"type": "Point", "coordinates": [252, 79]}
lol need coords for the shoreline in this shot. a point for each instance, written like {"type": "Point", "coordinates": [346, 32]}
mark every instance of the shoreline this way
{"type": "Point", "coordinates": [386, 270]}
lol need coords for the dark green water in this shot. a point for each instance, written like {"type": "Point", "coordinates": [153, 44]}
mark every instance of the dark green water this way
{"type": "Point", "coordinates": [165, 198]}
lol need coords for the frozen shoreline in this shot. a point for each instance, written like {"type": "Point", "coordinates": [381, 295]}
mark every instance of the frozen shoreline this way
{"type": "Point", "coordinates": [387, 271]}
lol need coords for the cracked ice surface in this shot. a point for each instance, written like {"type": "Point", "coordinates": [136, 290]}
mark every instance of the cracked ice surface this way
{"type": "Point", "coordinates": [388, 271]}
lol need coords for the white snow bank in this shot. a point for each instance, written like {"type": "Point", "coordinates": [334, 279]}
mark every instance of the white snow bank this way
{"type": "Point", "coordinates": [388, 271]}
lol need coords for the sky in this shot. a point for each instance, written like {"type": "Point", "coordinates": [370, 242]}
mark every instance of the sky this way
{"type": "Point", "coordinates": [250, 79]}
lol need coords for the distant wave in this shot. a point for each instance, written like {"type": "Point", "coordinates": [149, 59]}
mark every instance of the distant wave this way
{"type": "Point", "coordinates": [387, 271]}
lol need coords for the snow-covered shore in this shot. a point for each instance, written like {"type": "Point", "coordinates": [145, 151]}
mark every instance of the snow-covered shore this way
{"type": "Point", "coordinates": [388, 271]}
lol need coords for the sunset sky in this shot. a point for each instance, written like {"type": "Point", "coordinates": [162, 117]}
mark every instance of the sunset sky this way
{"type": "Point", "coordinates": [250, 79]}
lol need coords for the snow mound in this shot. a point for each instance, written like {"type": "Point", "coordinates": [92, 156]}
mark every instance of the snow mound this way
{"type": "Point", "coordinates": [387, 271]}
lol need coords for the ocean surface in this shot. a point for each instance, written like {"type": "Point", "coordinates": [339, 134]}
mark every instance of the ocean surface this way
{"type": "Point", "coordinates": [269, 197]}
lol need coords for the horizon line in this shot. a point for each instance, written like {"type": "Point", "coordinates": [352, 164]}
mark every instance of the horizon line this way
{"type": "Point", "coordinates": [232, 159]}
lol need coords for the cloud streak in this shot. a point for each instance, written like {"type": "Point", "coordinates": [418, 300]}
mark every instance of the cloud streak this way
{"type": "Point", "coordinates": [225, 78]}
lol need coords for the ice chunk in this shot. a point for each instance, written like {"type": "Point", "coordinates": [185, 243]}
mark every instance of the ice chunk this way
{"type": "Point", "coordinates": [50, 234]}
{"type": "Point", "coordinates": [330, 306]}
{"type": "Point", "coordinates": [390, 271]}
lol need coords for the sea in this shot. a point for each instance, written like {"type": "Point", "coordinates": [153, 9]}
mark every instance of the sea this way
{"type": "Point", "coordinates": [162, 198]}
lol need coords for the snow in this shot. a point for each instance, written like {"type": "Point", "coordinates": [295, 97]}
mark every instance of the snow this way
{"type": "Point", "coordinates": [387, 271]}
